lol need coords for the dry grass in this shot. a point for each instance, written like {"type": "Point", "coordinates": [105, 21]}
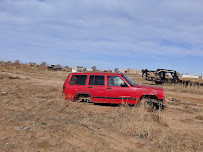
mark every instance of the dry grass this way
{"type": "Point", "coordinates": [36, 72]}
{"type": "Point", "coordinates": [199, 117]}
{"type": "Point", "coordinates": [193, 79]}
{"type": "Point", "coordinates": [35, 117]}
{"type": "Point", "coordinates": [143, 125]}
{"type": "Point", "coordinates": [180, 88]}
{"type": "Point", "coordinates": [3, 76]}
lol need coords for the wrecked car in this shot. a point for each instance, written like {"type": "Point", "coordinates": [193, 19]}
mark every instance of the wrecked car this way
{"type": "Point", "coordinates": [111, 88]}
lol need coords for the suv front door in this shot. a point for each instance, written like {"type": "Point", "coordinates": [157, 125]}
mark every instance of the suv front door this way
{"type": "Point", "coordinates": [115, 93]}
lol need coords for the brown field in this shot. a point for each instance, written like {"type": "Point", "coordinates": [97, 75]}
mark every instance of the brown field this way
{"type": "Point", "coordinates": [34, 117]}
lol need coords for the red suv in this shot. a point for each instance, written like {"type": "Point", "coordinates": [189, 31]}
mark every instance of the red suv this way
{"type": "Point", "coordinates": [114, 88]}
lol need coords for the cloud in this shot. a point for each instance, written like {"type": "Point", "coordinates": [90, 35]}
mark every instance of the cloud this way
{"type": "Point", "coordinates": [116, 27]}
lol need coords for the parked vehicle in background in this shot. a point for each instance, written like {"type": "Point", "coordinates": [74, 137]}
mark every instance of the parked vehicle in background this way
{"type": "Point", "coordinates": [161, 76]}
{"type": "Point", "coordinates": [112, 88]}
{"type": "Point", "coordinates": [54, 67]}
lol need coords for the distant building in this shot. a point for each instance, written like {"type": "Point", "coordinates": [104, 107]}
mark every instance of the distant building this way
{"type": "Point", "coordinates": [78, 69]}
{"type": "Point", "coordinates": [190, 76]}
{"type": "Point", "coordinates": [89, 70]}
{"type": "Point", "coordinates": [130, 71]}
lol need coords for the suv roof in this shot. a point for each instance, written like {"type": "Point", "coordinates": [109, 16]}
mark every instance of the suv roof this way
{"type": "Point", "coordinates": [97, 73]}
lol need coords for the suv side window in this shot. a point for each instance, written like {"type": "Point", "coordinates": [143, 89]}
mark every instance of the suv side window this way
{"type": "Point", "coordinates": [78, 79]}
{"type": "Point", "coordinates": [114, 81]}
{"type": "Point", "coordinates": [96, 80]}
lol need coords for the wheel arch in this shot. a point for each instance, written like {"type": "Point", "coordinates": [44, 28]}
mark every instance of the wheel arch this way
{"type": "Point", "coordinates": [151, 96]}
{"type": "Point", "coordinates": [81, 94]}
{"type": "Point", "coordinates": [158, 103]}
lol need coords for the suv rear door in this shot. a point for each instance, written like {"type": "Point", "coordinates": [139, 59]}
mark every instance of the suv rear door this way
{"type": "Point", "coordinates": [76, 85]}
{"type": "Point", "coordinates": [97, 88]}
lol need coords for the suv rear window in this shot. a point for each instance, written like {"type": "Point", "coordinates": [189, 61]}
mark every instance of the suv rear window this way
{"type": "Point", "coordinates": [78, 79]}
{"type": "Point", "coordinates": [96, 80]}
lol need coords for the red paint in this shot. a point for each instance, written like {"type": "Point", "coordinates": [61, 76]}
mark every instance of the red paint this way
{"type": "Point", "coordinates": [110, 94]}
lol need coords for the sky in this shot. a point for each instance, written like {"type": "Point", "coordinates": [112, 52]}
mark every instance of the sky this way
{"type": "Point", "coordinates": [107, 34]}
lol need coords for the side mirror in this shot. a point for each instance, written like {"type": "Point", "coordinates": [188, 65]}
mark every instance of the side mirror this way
{"type": "Point", "coordinates": [123, 84]}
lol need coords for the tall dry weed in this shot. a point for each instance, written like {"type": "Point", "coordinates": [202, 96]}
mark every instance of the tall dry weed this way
{"type": "Point", "coordinates": [148, 126]}
{"type": "Point", "coordinates": [194, 89]}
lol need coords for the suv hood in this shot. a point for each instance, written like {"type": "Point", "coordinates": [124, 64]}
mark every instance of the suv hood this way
{"type": "Point", "coordinates": [149, 87]}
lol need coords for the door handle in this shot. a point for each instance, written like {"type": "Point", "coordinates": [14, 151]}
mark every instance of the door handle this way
{"type": "Point", "coordinates": [89, 87]}
{"type": "Point", "coordinates": [108, 88]}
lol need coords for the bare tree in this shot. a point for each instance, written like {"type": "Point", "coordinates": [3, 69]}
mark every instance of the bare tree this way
{"type": "Point", "coordinates": [43, 64]}
{"type": "Point", "coordinates": [116, 70]}
{"type": "Point", "coordinates": [66, 66]}
{"type": "Point", "coordinates": [8, 62]}
{"type": "Point", "coordinates": [32, 63]}
{"type": "Point", "coordinates": [94, 68]}
{"type": "Point", "coordinates": [17, 61]}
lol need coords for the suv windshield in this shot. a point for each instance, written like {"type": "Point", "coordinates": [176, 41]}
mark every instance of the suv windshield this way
{"type": "Point", "coordinates": [128, 80]}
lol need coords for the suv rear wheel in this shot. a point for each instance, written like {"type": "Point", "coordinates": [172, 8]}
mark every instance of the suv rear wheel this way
{"type": "Point", "coordinates": [82, 98]}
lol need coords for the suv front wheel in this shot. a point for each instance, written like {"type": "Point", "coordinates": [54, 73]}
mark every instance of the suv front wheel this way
{"type": "Point", "coordinates": [151, 104]}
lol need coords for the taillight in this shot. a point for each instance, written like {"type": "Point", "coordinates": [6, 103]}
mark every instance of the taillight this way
{"type": "Point", "coordinates": [64, 85]}
{"type": "Point", "coordinates": [63, 89]}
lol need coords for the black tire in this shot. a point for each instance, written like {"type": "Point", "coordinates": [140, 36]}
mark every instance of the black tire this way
{"type": "Point", "coordinates": [76, 98]}
{"type": "Point", "coordinates": [147, 103]}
